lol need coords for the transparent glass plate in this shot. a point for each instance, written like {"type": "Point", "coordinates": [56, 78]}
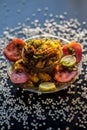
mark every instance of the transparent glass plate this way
{"type": "Point", "coordinates": [61, 86]}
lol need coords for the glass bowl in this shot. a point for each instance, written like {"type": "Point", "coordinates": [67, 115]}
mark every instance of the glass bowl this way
{"type": "Point", "coordinates": [35, 88]}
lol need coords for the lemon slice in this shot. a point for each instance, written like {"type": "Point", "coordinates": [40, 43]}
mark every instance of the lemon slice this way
{"type": "Point", "coordinates": [68, 61]}
{"type": "Point", "coordinates": [47, 86]}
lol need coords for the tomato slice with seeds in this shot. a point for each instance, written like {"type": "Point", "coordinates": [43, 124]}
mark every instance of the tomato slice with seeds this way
{"type": "Point", "coordinates": [64, 75]}
{"type": "Point", "coordinates": [73, 48]}
{"type": "Point", "coordinates": [19, 76]}
{"type": "Point", "coordinates": [14, 49]}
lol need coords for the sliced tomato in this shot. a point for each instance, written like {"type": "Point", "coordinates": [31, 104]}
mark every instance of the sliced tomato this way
{"type": "Point", "coordinates": [65, 75]}
{"type": "Point", "coordinates": [73, 48]}
{"type": "Point", "coordinates": [19, 76]}
{"type": "Point", "coordinates": [14, 49]}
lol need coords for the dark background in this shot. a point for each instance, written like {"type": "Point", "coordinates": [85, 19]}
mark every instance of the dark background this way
{"type": "Point", "coordinates": [14, 12]}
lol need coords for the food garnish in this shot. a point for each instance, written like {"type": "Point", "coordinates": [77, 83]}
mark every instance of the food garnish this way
{"type": "Point", "coordinates": [65, 75]}
{"type": "Point", "coordinates": [42, 64]}
{"type": "Point", "coordinates": [19, 76]}
{"type": "Point", "coordinates": [13, 49]}
{"type": "Point", "coordinates": [68, 61]}
{"type": "Point", "coordinates": [73, 48]}
{"type": "Point", "coordinates": [47, 86]}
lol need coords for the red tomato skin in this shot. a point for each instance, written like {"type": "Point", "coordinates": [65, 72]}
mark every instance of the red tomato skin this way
{"type": "Point", "coordinates": [77, 49]}
{"type": "Point", "coordinates": [65, 76]}
{"type": "Point", "coordinates": [11, 49]}
{"type": "Point", "coordinates": [20, 41]}
{"type": "Point", "coordinates": [19, 76]}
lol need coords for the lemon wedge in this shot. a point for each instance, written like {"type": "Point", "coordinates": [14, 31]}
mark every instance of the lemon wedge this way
{"type": "Point", "coordinates": [47, 86]}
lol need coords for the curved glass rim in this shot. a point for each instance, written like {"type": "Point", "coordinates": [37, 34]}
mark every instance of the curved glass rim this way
{"type": "Point", "coordinates": [47, 35]}
{"type": "Point", "coordinates": [62, 87]}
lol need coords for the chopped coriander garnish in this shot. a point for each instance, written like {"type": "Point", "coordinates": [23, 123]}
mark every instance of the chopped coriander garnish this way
{"type": "Point", "coordinates": [70, 50]}
{"type": "Point", "coordinates": [70, 68]}
{"type": "Point", "coordinates": [36, 57]}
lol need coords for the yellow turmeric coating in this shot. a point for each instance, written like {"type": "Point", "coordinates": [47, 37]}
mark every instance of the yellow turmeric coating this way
{"type": "Point", "coordinates": [40, 64]}
{"type": "Point", "coordinates": [34, 78]}
{"type": "Point", "coordinates": [19, 65]}
{"type": "Point", "coordinates": [44, 76]}
{"type": "Point", "coordinates": [41, 53]}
